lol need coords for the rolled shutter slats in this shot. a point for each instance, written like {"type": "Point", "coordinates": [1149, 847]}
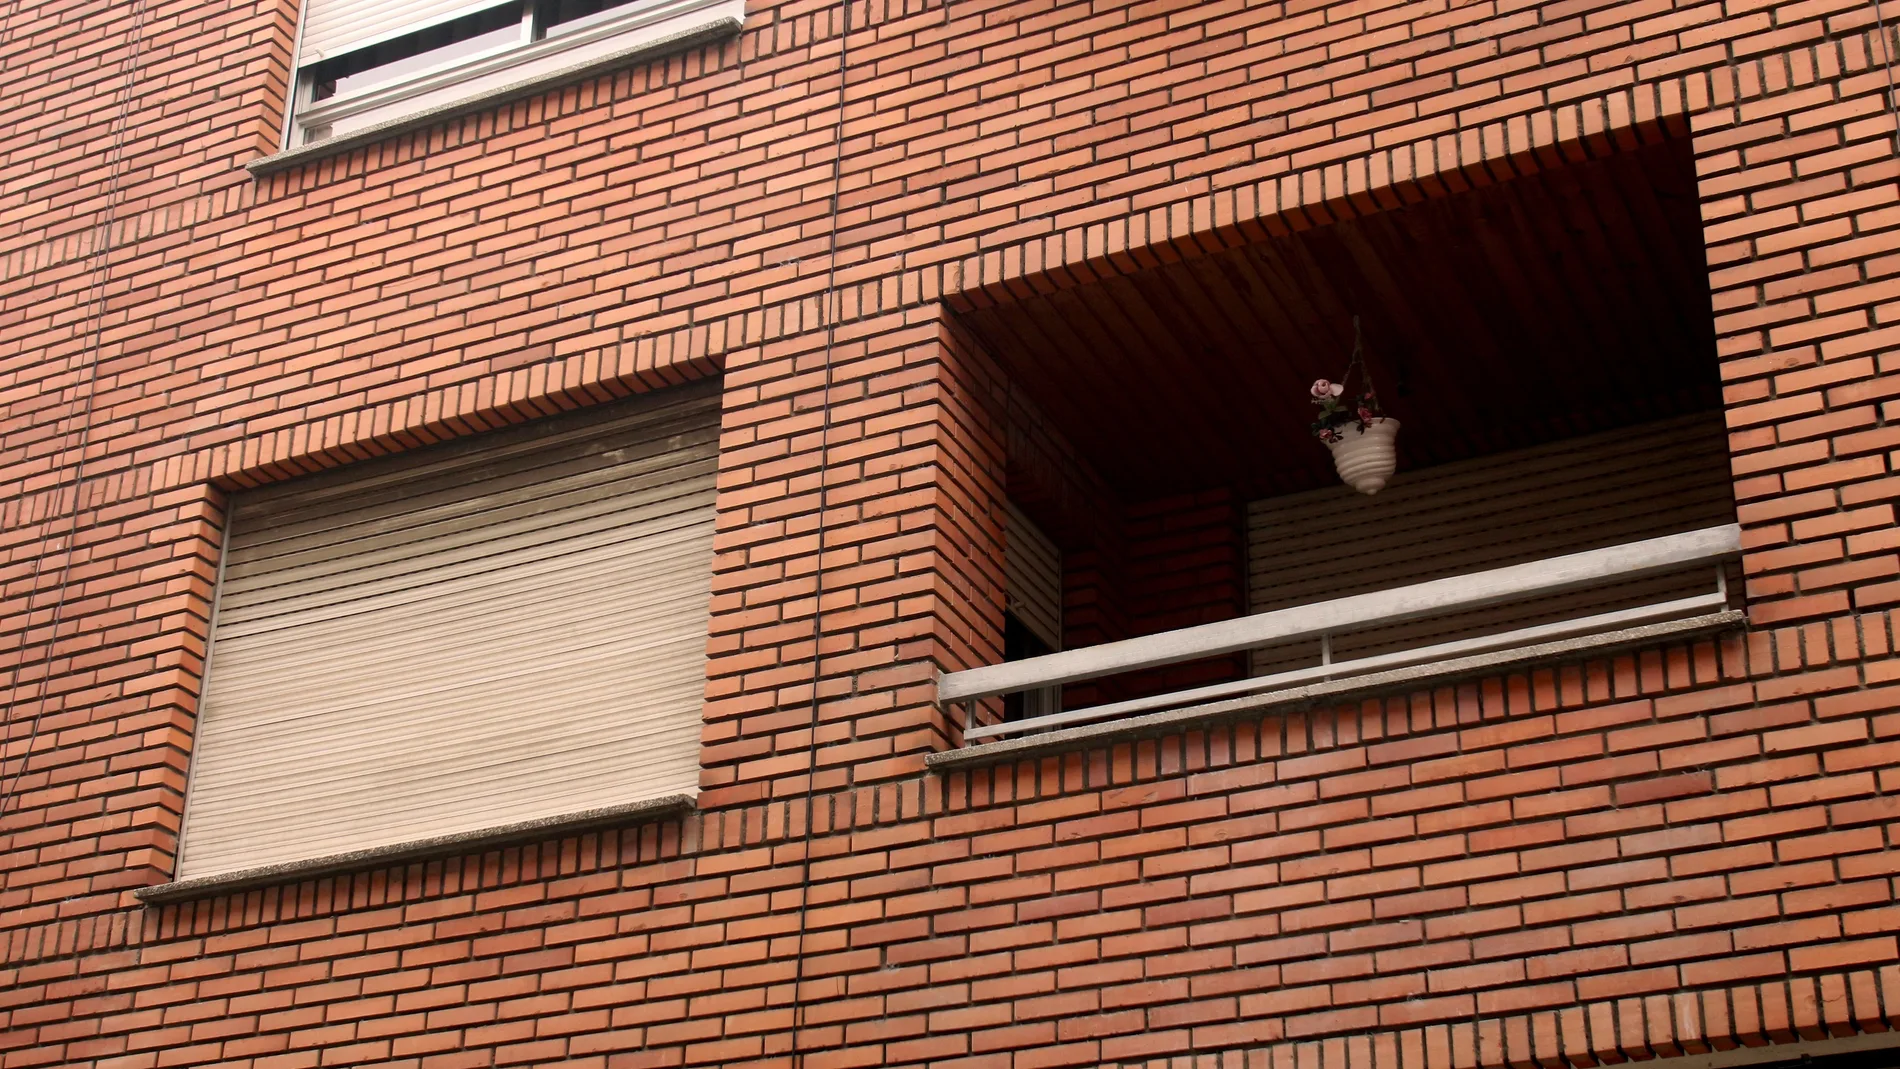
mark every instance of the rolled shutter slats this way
{"type": "Point", "coordinates": [313, 530]}
{"type": "Point", "coordinates": [284, 667]}
{"type": "Point", "coordinates": [429, 623]}
{"type": "Point", "coordinates": [391, 751]}
{"type": "Point", "coordinates": [601, 652]}
{"type": "Point", "coordinates": [467, 558]}
{"type": "Point", "coordinates": [520, 447]}
{"type": "Point", "coordinates": [509, 627]}
{"type": "Point", "coordinates": [552, 508]}
{"type": "Point", "coordinates": [439, 491]}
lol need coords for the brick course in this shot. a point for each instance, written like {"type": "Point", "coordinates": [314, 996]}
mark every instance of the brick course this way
{"type": "Point", "coordinates": [1670, 851]}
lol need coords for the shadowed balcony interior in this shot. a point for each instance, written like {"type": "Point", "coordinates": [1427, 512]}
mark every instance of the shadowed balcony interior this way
{"type": "Point", "coordinates": [1556, 304]}
{"type": "Point", "coordinates": [1546, 341]}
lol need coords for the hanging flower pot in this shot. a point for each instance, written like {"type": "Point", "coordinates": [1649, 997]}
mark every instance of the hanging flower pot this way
{"type": "Point", "coordinates": [1366, 457]}
{"type": "Point", "coordinates": [1363, 439]}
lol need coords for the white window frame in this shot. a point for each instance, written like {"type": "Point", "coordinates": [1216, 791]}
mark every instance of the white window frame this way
{"type": "Point", "coordinates": [640, 29]}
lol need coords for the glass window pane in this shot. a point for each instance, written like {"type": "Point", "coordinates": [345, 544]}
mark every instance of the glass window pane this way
{"type": "Point", "coordinates": [566, 16]}
{"type": "Point", "coordinates": [390, 60]}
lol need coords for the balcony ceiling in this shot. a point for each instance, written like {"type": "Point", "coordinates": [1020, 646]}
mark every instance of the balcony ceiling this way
{"type": "Point", "coordinates": [1566, 302]}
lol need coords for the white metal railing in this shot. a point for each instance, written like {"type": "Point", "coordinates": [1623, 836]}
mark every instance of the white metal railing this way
{"type": "Point", "coordinates": [1325, 619]}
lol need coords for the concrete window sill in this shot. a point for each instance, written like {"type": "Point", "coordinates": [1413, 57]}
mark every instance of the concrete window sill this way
{"type": "Point", "coordinates": [418, 849]}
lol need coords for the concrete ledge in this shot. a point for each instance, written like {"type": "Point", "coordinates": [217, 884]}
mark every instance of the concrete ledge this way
{"type": "Point", "coordinates": [1334, 691]}
{"type": "Point", "coordinates": [369, 135]}
{"type": "Point", "coordinates": [418, 849]}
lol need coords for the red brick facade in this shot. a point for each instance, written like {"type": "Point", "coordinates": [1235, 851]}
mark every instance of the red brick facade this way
{"type": "Point", "coordinates": [1671, 851]}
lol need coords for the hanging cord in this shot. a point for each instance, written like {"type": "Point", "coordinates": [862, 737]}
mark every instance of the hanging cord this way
{"type": "Point", "coordinates": [827, 310]}
{"type": "Point", "coordinates": [39, 559]}
{"type": "Point", "coordinates": [1359, 361]}
{"type": "Point", "coordinates": [95, 312]}
{"type": "Point", "coordinates": [1886, 53]}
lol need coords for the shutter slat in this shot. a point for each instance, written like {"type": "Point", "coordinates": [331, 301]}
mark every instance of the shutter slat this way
{"type": "Point", "coordinates": [1577, 494]}
{"type": "Point", "coordinates": [493, 633]}
{"type": "Point", "coordinates": [555, 496]}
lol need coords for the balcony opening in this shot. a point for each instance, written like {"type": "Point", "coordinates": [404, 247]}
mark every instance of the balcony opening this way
{"type": "Point", "coordinates": [1548, 345]}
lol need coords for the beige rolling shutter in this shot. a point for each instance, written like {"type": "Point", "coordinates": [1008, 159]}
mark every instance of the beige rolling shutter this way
{"type": "Point", "coordinates": [1582, 493]}
{"type": "Point", "coordinates": [508, 627]}
{"type": "Point", "coordinates": [1032, 567]}
{"type": "Point", "coordinates": [333, 27]}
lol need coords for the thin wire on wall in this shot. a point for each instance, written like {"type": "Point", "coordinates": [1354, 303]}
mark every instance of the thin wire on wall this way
{"type": "Point", "coordinates": [1886, 53]}
{"type": "Point", "coordinates": [95, 317]}
{"type": "Point", "coordinates": [830, 314]}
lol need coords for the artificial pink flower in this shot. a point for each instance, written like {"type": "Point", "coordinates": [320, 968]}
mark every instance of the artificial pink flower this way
{"type": "Point", "coordinates": [1323, 389]}
{"type": "Point", "coordinates": [1365, 415]}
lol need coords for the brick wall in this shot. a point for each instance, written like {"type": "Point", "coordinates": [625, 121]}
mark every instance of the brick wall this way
{"type": "Point", "coordinates": [1662, 852]}
{"type": "Point", "coordinates": [1647, 854]}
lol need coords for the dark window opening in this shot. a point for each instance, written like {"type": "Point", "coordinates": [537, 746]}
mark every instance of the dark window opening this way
{"type": "Point", "coordinates": [554, 18]}
{"type": "Point", "coordinates": [1020, 643]}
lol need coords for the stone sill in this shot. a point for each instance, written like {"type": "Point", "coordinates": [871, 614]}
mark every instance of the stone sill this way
{"type": "Point", "coordinates": [1334, 691]}
{"type": "Point", "coordinates": [541, 83]}
{"type": "Point", "coordinates": [418, 849]}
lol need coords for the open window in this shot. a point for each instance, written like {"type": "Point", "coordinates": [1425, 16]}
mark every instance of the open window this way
{"type": "Point", "coordinates": [365, 66]}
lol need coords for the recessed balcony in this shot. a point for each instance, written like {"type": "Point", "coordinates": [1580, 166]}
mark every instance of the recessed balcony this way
{"type": "Point", "coordinates": [1180, 546]}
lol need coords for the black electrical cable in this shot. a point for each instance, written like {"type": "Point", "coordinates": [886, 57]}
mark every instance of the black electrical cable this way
{"type": "Point", "coordinates": [828, 311]}
{"type": "Point", "coordinates": [95, 314]}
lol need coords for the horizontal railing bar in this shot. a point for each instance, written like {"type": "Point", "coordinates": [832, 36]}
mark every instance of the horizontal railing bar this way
{"type": "Point", "coordinates": [1362, 665]}
{"type": "Point", "coordinates": [1549, 576]}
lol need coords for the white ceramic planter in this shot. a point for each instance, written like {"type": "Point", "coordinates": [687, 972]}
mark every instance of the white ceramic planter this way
{"type": "Point", "coordinates": [1366, 459]}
